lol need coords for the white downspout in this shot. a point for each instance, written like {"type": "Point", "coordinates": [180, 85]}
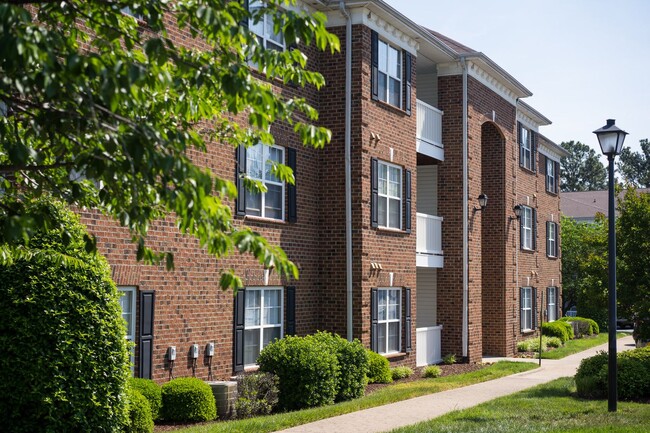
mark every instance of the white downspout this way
{"type": "Point", "coordinates": [465, 337]}
{"type": "Point", "coordinates": [348, 168]}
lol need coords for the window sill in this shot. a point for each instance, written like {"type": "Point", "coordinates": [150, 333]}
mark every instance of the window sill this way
{"type": "Point", "coordinates": [263, 219]}
{"type": "Point", "coordinates": [528, 170]}
{"type": "Point", "coordinates": [391, 230]}
{"type": "Point", "coordinates": [551, 257]}
{"type": "Point", "coordinates": [527, 331]}
{"type": "Point", "coordinates": [527, 250]}
{"type": "Point", "coordinates": [393, 355]}
{"type": "Point", "coordinates": [251, 368]}
{"type": "Point", "coordinates": [554, 194]}
{"type": "Point", "coordinates": [398, 110]}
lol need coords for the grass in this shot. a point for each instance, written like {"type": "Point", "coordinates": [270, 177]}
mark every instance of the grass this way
{"type": "Point", "coordinates": [578, 345]}
{"type": "Point", "coordinates": [549, 408]}
{"type": "Point", "coordinates": [389, 394]}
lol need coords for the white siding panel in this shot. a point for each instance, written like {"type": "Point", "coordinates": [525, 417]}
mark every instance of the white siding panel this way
{"type": "Point", "coordinates": [428, 88]}
{"type": "Point", "coordinates": [426, 297]}
{"type": "Point", "coordinates": [427, 189]}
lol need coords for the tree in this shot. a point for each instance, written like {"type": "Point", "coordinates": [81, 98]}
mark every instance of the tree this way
{"type": "Point", "coordinates": [581, 170]}
{"type": "Point", "coordinates": [64, 363]}
{"type": "Point", "coordinates": [584, 267]}
{"type": "Point", "coordinates": [105, 111]}
{"type": "Point", "coordinates": [635, 166]}
{"type": "Point", "coordinates": [633, 226]}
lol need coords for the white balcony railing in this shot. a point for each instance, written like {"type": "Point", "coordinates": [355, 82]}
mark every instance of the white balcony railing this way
{"type": "Point", "coordinates": [429, 130]}
{"type": "Point", "coordinates": [428, 342]}
{"type": "Point", "coordinates": [429, 241]}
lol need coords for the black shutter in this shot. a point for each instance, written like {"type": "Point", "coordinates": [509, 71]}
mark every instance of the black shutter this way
{"type": "Point", "coordinates": [373, 319]}
{"type": "Point", "coordinates": [548, 242]}
{"type": "Point", "coordinates": [407, 82]}
{"type": "Point", "coordinates": [240, 202]}
{"type": "Point", "coordinates": [521, 147]}
{"type": "Point", "coordinates": [534, 290]}
{"type": "Point", "coordinates": [558, 304]}
{"type": "Point", "coordinates": [374, 192]}
{"type": "Point", "coordinates": [522, 325]}
{"type": "Point", "coordinates": [238, 337]}
{"type": "Point", "coordinates": [408, 347]}
{"type": "Point", "coordinates": [521, 227]}
{"type": "Point", "coordinates": [543, 171]}
{"type": "Point", "coordinates": [291, 189]}
{"type": "Point", "coordinates": [407, 201]}
{"type": "Point", "coordinates": [557, 177]}
{"type": "Point", "coordinates": [244, 21]}
{"type": "Point", "coordinates": [533, 150]}
{"type": "Point", "coordinates": [548, 300]}
{"type": "Point", "coordinates": [555, 244]}
{"type": "Point", "coordinates": [534, 229]}
{"type": "Point", "coordinates": [147, 299]}
{"type": "Point", "coordinates": [374, 77]}
{"type": "Point", "coordinates": [291, 311]}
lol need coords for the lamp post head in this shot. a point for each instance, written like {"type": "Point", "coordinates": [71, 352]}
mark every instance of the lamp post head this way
{"type": "Point", "coordinates": [611, 138]}
{"type": "Point", "coordinates": [482, 200]}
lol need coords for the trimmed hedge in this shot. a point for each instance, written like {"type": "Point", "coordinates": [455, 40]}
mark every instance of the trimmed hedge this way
{"type": "Point", "coordinates": [378, 368]}
{"type": "Point", "coordinates": [140, 418]}
{"type": "Point", "coordinates": [65, 362]}
{"type": "Point", "coordinates": [633, 375]}
{"type": "Point", "coordinates": [308, 370]}
{"type": "Point", "coordinates": [151, 391]}
{"type": "Point", "coordinates": [353, 365]}
{"type": "Point", "coordinates": [188, 399]}
{"type": "Point", "coordinates": [559, 329]}
{"type": "Point", "coordinates": [584, 326]}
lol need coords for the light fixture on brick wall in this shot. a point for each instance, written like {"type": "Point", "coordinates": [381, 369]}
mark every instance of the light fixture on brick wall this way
{"type": "Point", "coordinates": [482, 201]}
{"type": "Point", "coordinates": [517, 211]}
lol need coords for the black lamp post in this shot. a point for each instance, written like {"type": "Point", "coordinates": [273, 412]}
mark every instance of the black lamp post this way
{"type": "Point", "coordinates": [611, 140]}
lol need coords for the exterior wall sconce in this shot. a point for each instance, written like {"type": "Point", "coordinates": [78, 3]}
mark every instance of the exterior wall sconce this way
{"type": "Point", "coordinates": [517, 211]}
{"type": "Point", "coordinates": [482, 201]}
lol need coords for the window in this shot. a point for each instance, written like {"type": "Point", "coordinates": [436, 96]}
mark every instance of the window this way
{"type": "Point", "coordinates": [527, 307]}
{"type": "Point", "coordinates": [127, 302]}
{"type": "Point", "coordinates": [259, 163]}
{"type": "Point", "coordinates": [551, 239]}
{"type": "Point", "coordinates": [128, 11]}
{"type": "Point", "coordinates": [389, 74]}
{"type": "Point", "coordinates": [551, 305]}
{"type": "Point", "coordinates": [528, 228]}
{"type": "Point", "coordinates": [389, 330]}
{"type": "Point", "coordinates": [551, 179]}
{"type": "Point", "coordinates": [262, 320]}
{"type": "Point", "coordinates": [264, 29]}
{"type": "Point", "coordinates": [389, 195]}
{"type": "Point", "coordinates": [527, 147]}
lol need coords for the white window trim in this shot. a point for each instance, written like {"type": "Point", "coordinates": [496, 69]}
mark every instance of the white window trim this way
{"type": "Point", "coordinates": [527, 235]}
{"type": "Point", "coordinates": [550, 176]}
{"type": "Point", "coordinates": [267, 33]}
{"type": "Point", "coordinates": [263, 326]}
{"type": "Point", "coordinates": [130, 330]}
{"type": "Point", "coordinates": [390, 197]}
{"type": "Point", "coordinates": [386, 322]}
{"type": "Point", "coordinates": [265, 157]}
{"type": "Point", "coordinates": [527, 312]}
{"type": "Point", "coordinates": [552, 306]}
{"type": "Point", "coordinates": [526, 148]}
{"type": "Point", "coordinates": [551, 240]}
{"type": "Point", "coordinates": [384, 92]}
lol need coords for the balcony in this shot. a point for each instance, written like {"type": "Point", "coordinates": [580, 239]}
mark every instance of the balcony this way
{"type": "Point", "coordinates": [428, 249]}
{"type": "Point", "coordinates": [429, 131]}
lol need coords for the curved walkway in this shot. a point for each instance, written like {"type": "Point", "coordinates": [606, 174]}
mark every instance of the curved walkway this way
{"type": "Point", "coordinates": [407, 412]}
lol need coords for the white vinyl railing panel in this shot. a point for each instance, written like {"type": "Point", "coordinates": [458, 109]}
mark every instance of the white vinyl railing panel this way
{"type": "Point", "coordinates": [429, 128]}
{"type": "Point", "coordinates": [429, 234]}
{"type": "Point", "coordinates": [429, 345]}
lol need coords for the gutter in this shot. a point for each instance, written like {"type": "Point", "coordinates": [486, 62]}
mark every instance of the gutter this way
{"type": "Point", "coordinates": [465, 325]}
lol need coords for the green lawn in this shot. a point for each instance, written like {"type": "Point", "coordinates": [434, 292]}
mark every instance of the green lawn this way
{"type": "Point", "coordinates": [389, 394]}
{"type": "Point", "coordinates": [578, 345]}
{"type": "Point", "coordinates": [546, 408]}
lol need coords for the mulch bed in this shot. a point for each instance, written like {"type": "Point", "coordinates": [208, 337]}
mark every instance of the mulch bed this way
{"type": "Point", "coordinates": [447, 370]}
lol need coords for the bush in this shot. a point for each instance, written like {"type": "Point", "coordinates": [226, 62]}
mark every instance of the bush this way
{"type": "Point", "coordinates": [65, 362]}
{"type": "Point", "coordinates": [353, 365]}
{"type": "Point", "coordinates": [633, 375]}
{"type": "Point", "coordinates": [257, 394]}
{"type": "Point", "coordinates": [583, 326]}
{"type": "Point", "coordinates": [140, 418]}
{"type": "Point", "coordinates": [554, 342]}
{"type": "Point", "coordinates": [532, 344]}
{"type": "Point", "coordinates": [449, 359]}
{"type": "Point", "coordinates": [151, 391]}
{"type": "Point", "coordinates": [307, 368]}
{"type": "Point", "coordinates": [188, 399]}
{"type": "Point", "coordinates": [378, 368]}
{"type": "Point", "coordinates": [559, 329]}
{"type": "Point", "coordinates": [398, 373]}
{"type": "Point", "coordinates": [431, 371]}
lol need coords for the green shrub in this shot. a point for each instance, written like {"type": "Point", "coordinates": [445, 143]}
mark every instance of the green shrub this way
{"type": "Point", "coordinates": [532, 344]}
{"type": "Point", "coordinates": [431, 371]}
{"type": "Point", "coordinates": [65, 362]}
{"type": "Point", "coordinates": [559, 329]}
{"type": "Point", "coordinates": [378, 368]}
{"type": "Point", "coordinates": [151, 391]}
{"type": "Point", "coordinates": [398, 373]}
{"type": "Point", "coordinates": [308, 370]}
{"type": "Point", "coordinates": [140, 418]}
{"type": "Point", "coordinates": [553, 341]}
{"type": "Point", "coordinates": [257, 394]}
{"type": "Point", "coordinates": [584, 326]}
{"type": "Point", "coordinates": [353, 365]}
{"type": "Point", "coordinates": [188, 399]}
{"type": "Point", "coordinates": [449, 359]}
{"type": "Point", "coordinates": [633, 375]}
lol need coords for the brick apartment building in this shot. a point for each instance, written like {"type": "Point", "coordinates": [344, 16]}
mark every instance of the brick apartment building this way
{"type": "Point", "coordinates": [412, 266]}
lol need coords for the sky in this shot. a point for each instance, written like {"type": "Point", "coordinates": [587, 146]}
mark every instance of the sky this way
{"type": "Point", "coordinates": [585, 61]}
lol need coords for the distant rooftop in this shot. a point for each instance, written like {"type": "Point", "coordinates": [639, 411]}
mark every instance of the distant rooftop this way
{"type": "Point", "coordinates": [584, 205]}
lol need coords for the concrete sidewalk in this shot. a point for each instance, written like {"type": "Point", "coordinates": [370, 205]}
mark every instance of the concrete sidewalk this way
{"type": "Point", "coordinates": [407, 412]}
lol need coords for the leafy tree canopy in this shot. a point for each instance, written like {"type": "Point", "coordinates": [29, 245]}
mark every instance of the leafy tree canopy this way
{"type": "Point", "coordinates": [634, 167]}
{"type": "Point", "coordinates": [581, 170]}
{"type": "Point", "coordinates": [105, 111]}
